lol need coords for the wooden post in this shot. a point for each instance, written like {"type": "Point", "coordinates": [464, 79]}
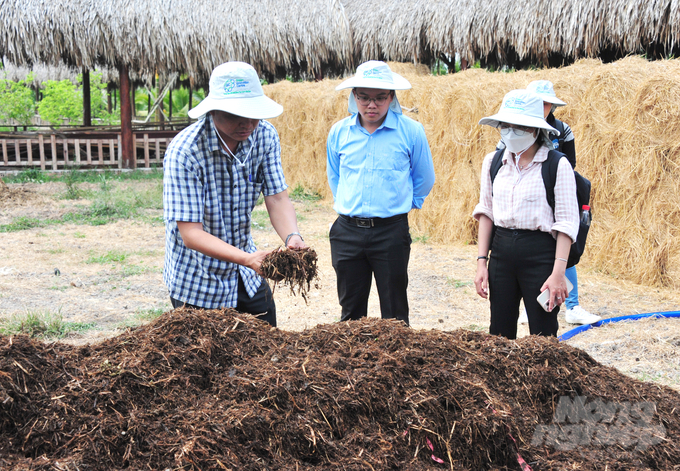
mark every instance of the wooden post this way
{"type": "Point", "coordinates": [112, 151]}
{"type": "Point", "coordinates": [170, 104]}
{"type": "Point", "coordinates": [191, 94]}
{"type": "Point", "coordinates": [87, 105]}
{"type": "Point", "coordinates": [463, 64]}
{"type": "Point", "coordinates": [41, 143]}
{"type": "Point", "coordinates": [29, 149]}
{"type": "Point", "coordinates": [88, 151]}
{"type": "Point", "coordinates": [146, 150]}
{"type": "Point", "coordinates": [53, 142]}
{"type": "Point", "coordinates": [159, 113]}
{"type": "Point", "coordinates": [128, 154]}
{"type": "Point", "coordinates": [17, 151]}
{"type": "Point", "coordinates": [4, 151]}
{"type": "Point", "coordinates": [76, 146]}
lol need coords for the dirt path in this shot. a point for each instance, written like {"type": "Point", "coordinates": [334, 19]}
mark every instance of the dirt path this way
{"type": "Point", "coordinates": [111, 275]}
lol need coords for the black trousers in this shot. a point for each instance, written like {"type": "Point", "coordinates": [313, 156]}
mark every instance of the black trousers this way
{"type": "Point", "coordinates": [358, 253]}
{"type": "Point", "coordinates": [520, 263]}
{"type": "Point", "coordinates": [261, 305]}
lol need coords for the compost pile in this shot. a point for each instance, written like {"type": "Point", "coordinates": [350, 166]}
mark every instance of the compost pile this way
{"type": "Point", "coordinates": [294, 267]}
{"type": "Point", "coordinates": [215, 390]}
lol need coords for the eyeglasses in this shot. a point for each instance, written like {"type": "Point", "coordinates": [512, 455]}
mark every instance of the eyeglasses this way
{"type": "Point", "coordinates": [364, 100]}
{"type": "Point", "coordinates": [519, 131]}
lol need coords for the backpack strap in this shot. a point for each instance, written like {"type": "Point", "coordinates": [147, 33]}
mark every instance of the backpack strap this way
{"type": "Point", "coordinates": [496, 164]}
{"type": "Point", "coordinates": [559, 125]}
{"type": "Point", "coordinates": [549, 174]}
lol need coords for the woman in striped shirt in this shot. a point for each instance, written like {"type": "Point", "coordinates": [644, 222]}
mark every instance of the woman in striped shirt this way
{"type": "Point", "coordinates": [531, 243]}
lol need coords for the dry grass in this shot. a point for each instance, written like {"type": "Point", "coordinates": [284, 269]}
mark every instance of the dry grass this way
{"type": "Point", "coordinates": [626, 119]}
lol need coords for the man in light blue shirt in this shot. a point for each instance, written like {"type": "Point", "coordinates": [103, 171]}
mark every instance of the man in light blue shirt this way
{"type": "Point", "coordinates": [379, 167]}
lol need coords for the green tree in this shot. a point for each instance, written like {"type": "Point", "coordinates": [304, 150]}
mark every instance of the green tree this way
{"type": "Point", "coordinates": [61, 101]}
{"type": "Point", "coordinates": [16, 101]}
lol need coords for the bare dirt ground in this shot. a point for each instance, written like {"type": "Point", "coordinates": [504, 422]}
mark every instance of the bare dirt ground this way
{"type": "Point", "coordinates": [71, 269]}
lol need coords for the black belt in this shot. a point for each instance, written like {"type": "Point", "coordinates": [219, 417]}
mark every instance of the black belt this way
{"type": "Point", "coordinates": [371, 222]}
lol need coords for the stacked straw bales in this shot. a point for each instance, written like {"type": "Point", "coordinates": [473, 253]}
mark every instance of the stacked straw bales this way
{"type": "Point", "coordinates": [626, 119]}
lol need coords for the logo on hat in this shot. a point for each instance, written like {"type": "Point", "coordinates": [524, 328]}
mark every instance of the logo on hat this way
{"type": "Point", "coordinates": [515, 103]}
{"type": "Point", "coordinates": [374, 73]}
{"type": "Point", "coordinates": [236, 87]}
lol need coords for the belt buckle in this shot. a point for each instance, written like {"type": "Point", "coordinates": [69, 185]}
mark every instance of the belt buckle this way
{"type": "Point", "coordinates": [364, 222]}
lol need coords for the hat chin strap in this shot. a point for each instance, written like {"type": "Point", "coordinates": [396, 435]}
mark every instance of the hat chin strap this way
{"type": "Point", "coordinates": [238, 162]}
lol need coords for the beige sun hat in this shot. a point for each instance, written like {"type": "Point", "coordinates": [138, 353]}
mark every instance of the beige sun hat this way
{"type": "Point", "coordinates": [521, 108]}
{"type": "Point", "coordinates": [545, 90]}
{"type": "Point", "coordinates": [375, 74]}
{"type": "Point", "coordinates": [235, 88]}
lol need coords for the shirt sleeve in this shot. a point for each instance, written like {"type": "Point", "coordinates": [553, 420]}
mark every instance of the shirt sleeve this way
{"type": "Point", "coordinates": [332, 161]}
{"type": "Point", "coordinates": [182, 188]}
{"type": "Point", "coordinates": [274, 180]}
{"type": "Point", "coordinates": [422, 168]}
{"type": "Point", "coordinates": [566, 204]}
{"type": "Point", "coordinates": [485, 205]}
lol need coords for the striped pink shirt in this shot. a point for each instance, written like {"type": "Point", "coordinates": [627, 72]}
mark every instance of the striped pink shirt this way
{"type": "Point", "coordinates": [519, 200]}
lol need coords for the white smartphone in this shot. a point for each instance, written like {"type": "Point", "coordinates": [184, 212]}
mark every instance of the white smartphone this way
{"type": "Point", "coordinates": [544, 298]}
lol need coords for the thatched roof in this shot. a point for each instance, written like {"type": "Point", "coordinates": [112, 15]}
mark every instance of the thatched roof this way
{"type": "Point", "coordinates": [537, 30]}
{"type": "Point", "coordinates": [44, 72]}
{"type": "Point", "coordinates": [189, 37]}
{"type": "Point", "coordinates": [192, 37]}
{"type": "Point", "coordinates": [503, 32]}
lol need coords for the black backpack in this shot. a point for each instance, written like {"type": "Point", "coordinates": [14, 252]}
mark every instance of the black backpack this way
{"type": "Point", "coordinates": [549, 174]}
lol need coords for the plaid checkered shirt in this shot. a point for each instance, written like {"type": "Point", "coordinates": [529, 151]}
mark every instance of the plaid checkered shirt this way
{"type": "Point", "coordinates": [202, 183]}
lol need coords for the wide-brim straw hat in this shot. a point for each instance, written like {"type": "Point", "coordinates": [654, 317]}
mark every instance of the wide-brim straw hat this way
{"type": "Point", "coordinates": [235, 88]}
{"type": "Point", "coordinates": [378, 75]}
{"type": "Point", "coordinates": [544, 89]}
{"type": "Point", "coordinates": [375, 74]}
{"type": "Point", "coordinates": [521, 108]}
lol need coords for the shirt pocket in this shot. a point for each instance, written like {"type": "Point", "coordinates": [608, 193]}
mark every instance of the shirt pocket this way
{"type": "Point", "coordinates": [392, 163]}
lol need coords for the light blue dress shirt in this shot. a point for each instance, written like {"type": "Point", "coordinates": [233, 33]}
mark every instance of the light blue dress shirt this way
{"type": "Point", "coordinates": [382, 174]}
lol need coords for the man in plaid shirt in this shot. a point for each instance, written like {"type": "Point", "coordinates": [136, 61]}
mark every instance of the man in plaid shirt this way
{"type": "Point", "coordinates": [214, 172]}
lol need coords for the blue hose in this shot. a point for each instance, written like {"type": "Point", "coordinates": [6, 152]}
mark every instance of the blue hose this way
{"type": "Point", "coordinates": [582, 328]}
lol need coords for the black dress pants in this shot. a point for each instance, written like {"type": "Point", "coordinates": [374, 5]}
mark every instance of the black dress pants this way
{"type": "Point", "coordinates": [380, 247]}
{"type": "Point", "coordinates": [520, 263]}
{"type": "Point", "coordinates": [261, 305]}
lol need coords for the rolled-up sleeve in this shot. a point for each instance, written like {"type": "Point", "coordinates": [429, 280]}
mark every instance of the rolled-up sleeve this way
{"type": "Point", "coordinates": [566, 204]}
{"type": "Point", "coordinates": [485, 205]}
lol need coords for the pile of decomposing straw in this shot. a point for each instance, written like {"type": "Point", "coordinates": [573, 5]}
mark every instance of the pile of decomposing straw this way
{"type": "Point", "coordinates": [294, 267]}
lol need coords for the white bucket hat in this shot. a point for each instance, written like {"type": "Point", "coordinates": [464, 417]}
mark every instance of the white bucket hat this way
{"type": "Point", "coordinates": [375, 74]}
{"type": "Point", "coordinates": [545, 90]}
{"type": "Point", "coordinates": [235, 88]}
{"type": "Point", "coordinates": [522, 108]}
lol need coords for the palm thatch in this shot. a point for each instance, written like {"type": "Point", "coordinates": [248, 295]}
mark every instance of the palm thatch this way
{"type": "Point", "coordinates": [177, 36]}
{"type": "Point", "coordinates": [40, 73]}
{"type": "Point", "coordinates": [535, 31]}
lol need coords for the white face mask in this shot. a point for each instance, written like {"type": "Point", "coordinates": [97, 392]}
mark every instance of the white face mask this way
{"type": "Point", "coordinates": [517, 144]}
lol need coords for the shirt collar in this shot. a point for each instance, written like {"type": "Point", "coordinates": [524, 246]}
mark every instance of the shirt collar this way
{"type": "Point", "coordinates": [540, 157]}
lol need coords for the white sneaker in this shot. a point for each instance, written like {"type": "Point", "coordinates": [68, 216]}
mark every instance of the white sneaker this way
{"type": "Point", "coordinates": [523, 319]}
{"type": "Point", "coordinates": [578, 315]}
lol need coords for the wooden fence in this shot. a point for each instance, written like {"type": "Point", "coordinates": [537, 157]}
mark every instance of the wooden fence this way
{"type": "Point", "coordinates": [83, 149]}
